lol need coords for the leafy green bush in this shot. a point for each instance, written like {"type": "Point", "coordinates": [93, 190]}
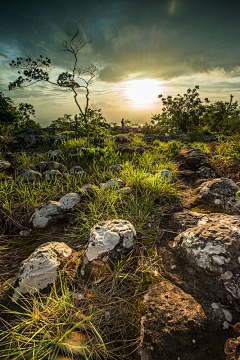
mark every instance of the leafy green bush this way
{"type": "Point", "coordinates": [189, 114]}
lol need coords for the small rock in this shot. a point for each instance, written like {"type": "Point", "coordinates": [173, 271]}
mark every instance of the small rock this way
{"type": "Point", "coordinates": [58, 138]}
{"type": "Point", "coordinates": [54, 153]}
{"type": "Point", "coordinates": [4, 165]}
{"type": "Point", "coordinates": [29, 175]}
{"type": "Point", "coordinates": [125, 190]}
{"type": "Point", "coordinates": [51, 175]}
{"type": "Point", "coordinates": [112, 183]}
{"type": "Point", "coordinates": [69, 201]}
{"type": "Point", "coordinates": [123, 139]}
{"type": "Point", "coordinates": [109, 241]}
{"type": "Point", "coordinates": [76, 170]}
{"type": "Point", "coordinates": [44, 214]}
{"type": "Point", "coordinates": [116, 168]}
{"type": "Point", "coordinates": [164, 175]}
{"type": "Point", "coordinates": [41, 269]}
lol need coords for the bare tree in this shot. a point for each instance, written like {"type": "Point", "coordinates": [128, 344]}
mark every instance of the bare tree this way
{"type": "Point", "coordinates": [32, 71]}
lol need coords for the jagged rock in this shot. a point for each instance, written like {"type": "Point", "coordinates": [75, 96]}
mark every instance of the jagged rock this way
{"type": "Point", "coordinates": [125, 190]}
{"type": "Point", "coordinates": [112, 183]}
{"type": "Point", "coordinates": [88, 190]}
{"type": "Point", "coordinates": [76, 170]}
{"type": "Point", "coordinates": [44, 166]}
{"type": "Point", "coordinates": [212, 248]}
{"type": "Point", "coordinates": [125, 149]}
{"type": "Point", "coordinates": [58, 138]}
{"type": "Point", "coordinates": [176, 326]}
{"type": "Point", "coordinates": [29, 175]}
{"type": "Point", "coordinates": [69, 201]}
{"type": "Point", "coordinates": [164, 175]}
{"type": "Point", "coordinates": [54, 153]}
{"type": "Point", "coordinates": [98, 140]}
{"type": "Point", "coordinates": [5, 165]}
{"type": "Point", "coordinates": [193, 163]}
{"type": "Point", "coordinates": [123, 139]}
{"type": "Point", "coordinates": [109, 241]}
{"type": "Point", "coordinates": [41, 269]}
{"type": "Point", "coordinates": [192, 159]}
{"type": "Point", "coordinates": [200, 253]}
{"type": "Point", "coordinates": [45, 213]}
{"type": "Point", "coordinates": [78, 151]}
{"type": "Point", "coordinates": [116, 168]}
{"type": "Point", "coordinates": [205, 172]}
{"type": "Point", "coordinates": [53, 209]}
{"type": "Point", "coordinates": [51, 175]}
{"type": "Point", "coordinates": [220, 192]}
{"type": "Point", "coordinates": [138, 149]}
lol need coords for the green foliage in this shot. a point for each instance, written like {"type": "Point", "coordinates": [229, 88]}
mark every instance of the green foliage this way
{"type": "Point", "coordinates": [96, 123]}
{"type": "Point", "coordinates": [222, 117]}
{"type": "Point", "coordinates": [189, 114]}
{"type": "Point", "coordinates": [181, 113]}
{"type": "Point", "coordinates": [14, 118]}
{"type": "Point", "coordinates": [8, 112]}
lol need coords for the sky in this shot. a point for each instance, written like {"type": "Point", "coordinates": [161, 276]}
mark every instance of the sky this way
{"type": "Point", "coordinates": [142, 48]}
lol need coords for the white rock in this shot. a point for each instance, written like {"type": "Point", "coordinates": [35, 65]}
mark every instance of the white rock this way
{"type": "Point", "coordinates": [41, 216]}
{"type": "Point", "coordinates": [68, 201]}
{"type": "Point", "coordinates": [104, 236]}
{"type": "Point", "coordinates": [41, 268]}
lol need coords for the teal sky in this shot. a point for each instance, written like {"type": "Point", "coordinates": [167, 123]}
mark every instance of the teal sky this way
{"type": "Point", "coordinates": [143, 48]}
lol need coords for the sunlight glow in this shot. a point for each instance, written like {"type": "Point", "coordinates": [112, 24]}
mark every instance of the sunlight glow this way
{"type": "Point", "coordinates": [143, 93]}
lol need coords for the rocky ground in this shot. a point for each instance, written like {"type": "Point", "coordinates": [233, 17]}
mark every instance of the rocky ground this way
{"type": "Point", "coordinates": [191, 308]}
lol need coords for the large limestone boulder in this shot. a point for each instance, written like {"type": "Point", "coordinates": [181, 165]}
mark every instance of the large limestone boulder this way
{"type": "Point", "coordinates": [177, 326]}
{"type": "Point", "coordinates": [200, 253]}
{"type": "Point", "coordinates": [109, 241]}
{"type": "Point", "coordinates": [212, 248]}
{"type": "Point", "coordinates": [41, 269]}
{"type": "Point", "coordinates": [192, 159]}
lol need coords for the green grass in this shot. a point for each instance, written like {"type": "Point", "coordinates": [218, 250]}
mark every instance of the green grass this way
{"type": "Point", "coordinates": [104, 324]}
{"type": "Point", "coordinates": [16, 196]}
{"type": "Point", "coordinates": [45, 323]}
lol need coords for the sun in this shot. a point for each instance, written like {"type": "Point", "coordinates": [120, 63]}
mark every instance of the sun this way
{"type": "Point", "coordinates": [143, 92]}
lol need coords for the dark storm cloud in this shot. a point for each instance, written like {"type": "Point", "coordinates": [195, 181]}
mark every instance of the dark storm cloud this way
{"type": "Point", "coordinates": [158, 39]}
